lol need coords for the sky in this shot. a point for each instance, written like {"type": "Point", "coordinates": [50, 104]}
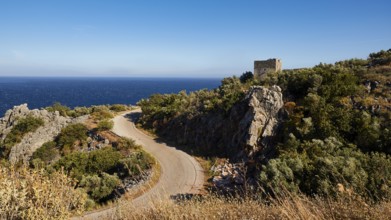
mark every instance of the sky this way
{"type": "Point", "coordinates": [186, 38]}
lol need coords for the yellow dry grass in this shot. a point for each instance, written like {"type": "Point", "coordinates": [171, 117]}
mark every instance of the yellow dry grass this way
{"type": "Point", "coordinates": [286, 206]}
{"type": "Point", "coordinates": [34, 194]}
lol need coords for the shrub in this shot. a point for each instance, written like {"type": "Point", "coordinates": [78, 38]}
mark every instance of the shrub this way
{"type": "Point", "coordinates": [47, 153]}
{"type": "Point", "coordinates": [105, 125]}
{"type": "Point", "coordinates": [93, 170]}
{"type": "Point", "coordinates": [118, 108]}
{"type": "Point", "coordinates": [70, 135]}
{"type": "Point", "coordinates": [246, 76]}
{"type": "Point", "coordinates": [103, 160]}
{"type": "Point", "coordinates": [62, 109]}
{"type": "Point", "coordinates": [79, 111]}
{"type": "Point", "coordinates": [78, 164]}
{"type": "Point", "coordinates": [136, 163]}
{"type": "Point", "coordinates": [101, 113]}
{"type": "Point", "coordinates": [24, 126]}
{"type": "Point", "coordinates": [125, 146]}
{"type": "Point", "coordinates": [99, 187]}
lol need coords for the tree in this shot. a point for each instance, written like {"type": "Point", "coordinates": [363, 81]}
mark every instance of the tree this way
{"type": "Point", "coordinates": [246, 76]}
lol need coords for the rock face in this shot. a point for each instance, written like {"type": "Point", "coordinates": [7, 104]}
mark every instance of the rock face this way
{"type": "Point", "coordinates": [32, 141]}
{"type": "Point", "coordinates": [247, 130]}
{"type": "Point", "coordinates": [257, 128]}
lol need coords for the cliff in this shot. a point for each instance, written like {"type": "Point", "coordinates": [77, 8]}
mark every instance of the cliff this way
{"type": "Point", "coordinates": [248, 129]}
{"type": "Point", "coordinates": [53, 123]}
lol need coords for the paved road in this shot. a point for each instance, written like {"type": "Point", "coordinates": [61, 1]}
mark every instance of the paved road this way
{"type": "Point", "coordinates": [180, 173]}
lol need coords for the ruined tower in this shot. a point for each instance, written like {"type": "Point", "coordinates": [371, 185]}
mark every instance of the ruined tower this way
{"type": "Point", "coordinates": [262, 67]}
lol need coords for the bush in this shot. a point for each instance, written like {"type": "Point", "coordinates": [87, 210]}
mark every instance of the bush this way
{"type": "Point", "coordinates": [78, 164]}
{"type": "Point", "coordinates": [99, 187]}
{"type": "Point", "coordinates": [93, 170]}
{"type": "Point", "coordinates": [47, 153]}
{"type": "Point", "coordinates": [246, 76]}
{"type": "Point", "coordinates": [62, 109]}
{"type": "Point", "coordinates": [105, 125]}
{"type": "Point", "coordinates": [23, 126]}
{"type": "Point", "coordinates": [70, 135]}
{"type": "Point", "coordinates": [33, 194]}
{"type": "Point", "coordinates": [118, 108]}
{"type": "Point", "coordinates": [137, 163]}
{"type": "Point", "coordinates": [125, 146]}
{"type": "Point", "coordinates": [79, 111]}
{"type": "Point", "coordinates": [101, 113]}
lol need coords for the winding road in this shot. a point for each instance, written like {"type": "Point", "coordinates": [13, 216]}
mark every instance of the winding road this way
{"type": "Point", "coordinates": [180, 173]}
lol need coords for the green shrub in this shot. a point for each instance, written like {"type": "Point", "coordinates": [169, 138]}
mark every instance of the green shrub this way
{"type": "Point", "coordinates": [47, 153]}
{"type": "Point", "coordinates": [118, 108]}
{"type": "Point", "coordinates": [93, 170]}
{"type": "Point", "coordinates": [101, 113]}
{"type": "Point", "coordinates": [78, 164]}
{"type": "Point", "coordinates": [79, 111]}
{"type": "Point", "coordinates": [125, 146]}
{"type": "Point", "coordinates": [246, 77]}
{"type": "Point", "coordinates": [103, 160]}
{"type": "Point", "coordinates": [62, 109]}
{"type": "Point", "coordinates": [99, 187]}
{"type": "Point", "coordinates": [105, 125]}
{"type": "Point", "coordinates": [23, 126]}
{"type": "Point", "coordinates": [70, 135]}
{"type": "Point", "coordinates": [136, 163]}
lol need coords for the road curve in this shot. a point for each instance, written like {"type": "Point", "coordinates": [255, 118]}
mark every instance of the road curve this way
{"type": "Point", "coordinates": [180, 173]}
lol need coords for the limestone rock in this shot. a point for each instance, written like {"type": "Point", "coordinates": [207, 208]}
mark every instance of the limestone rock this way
{"type": "Point", "coordinates": [247, 130]}
{"type": "Point", "coordinates": [32, 141]}
{"type": "Point", "coordinates": [259, 123]}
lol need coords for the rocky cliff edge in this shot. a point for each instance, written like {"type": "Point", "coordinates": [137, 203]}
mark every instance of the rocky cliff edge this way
{"type": "Point", "coordinates": [32, 141]}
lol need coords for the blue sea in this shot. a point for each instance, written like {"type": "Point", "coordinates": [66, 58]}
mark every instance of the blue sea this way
{"type": "Point", "coordinates": [39, 92]}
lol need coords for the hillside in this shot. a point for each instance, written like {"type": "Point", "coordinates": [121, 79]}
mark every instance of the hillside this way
{"type": "Point", "coordinates": [333, 131]}
{"type": "Point", "coordinates": [54, 153]}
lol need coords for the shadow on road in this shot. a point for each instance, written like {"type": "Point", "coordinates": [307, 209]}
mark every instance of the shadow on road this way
{"type": "Point", "coordinates": [134, 117]}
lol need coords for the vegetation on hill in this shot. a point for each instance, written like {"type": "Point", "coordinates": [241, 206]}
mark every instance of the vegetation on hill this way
{"type": "Point", "coordinates": [99, 111]}
{"type": "Point", "coordinates": [337, 130]}
{"type": "Point", "coordinates": [98, 166]}
{"type": "Point", "coordinates": [24, 126]}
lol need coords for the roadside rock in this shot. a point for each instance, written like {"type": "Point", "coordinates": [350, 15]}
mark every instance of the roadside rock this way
{"type": "Point", "coordinates": [228, 176]}
{"type": "Point", "coordinates": [257, 127]}
{"type": "Point", "coordinates": [32, 141]}
{"type": "Point", "coordinates": [247, 130]}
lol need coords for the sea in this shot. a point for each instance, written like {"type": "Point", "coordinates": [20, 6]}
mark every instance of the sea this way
{"type": "Point", "coordinates": [39, 92]}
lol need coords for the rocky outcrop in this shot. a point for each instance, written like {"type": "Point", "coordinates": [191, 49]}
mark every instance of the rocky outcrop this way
{"type": "Point", "coordinates": [228, 176]}
{"type": "Point", "coordinates": [247, 130]}
{"type": "Point", "coordinates": [257, 127]}
{"type": "Point", "coordinates": [32, 141]}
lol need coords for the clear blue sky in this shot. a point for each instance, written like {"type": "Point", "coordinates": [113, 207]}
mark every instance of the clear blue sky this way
{"type": "Point", "coordinates": [193, 38]}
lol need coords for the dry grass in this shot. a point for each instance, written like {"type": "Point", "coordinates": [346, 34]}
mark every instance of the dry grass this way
{"type": "Point", "coordinates": [33, 194]}
{"type": "Point", "coordinates": [285, 207]}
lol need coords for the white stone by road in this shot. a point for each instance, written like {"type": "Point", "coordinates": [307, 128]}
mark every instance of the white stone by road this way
{"type": "Point", "coordinates": [180, 173]}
